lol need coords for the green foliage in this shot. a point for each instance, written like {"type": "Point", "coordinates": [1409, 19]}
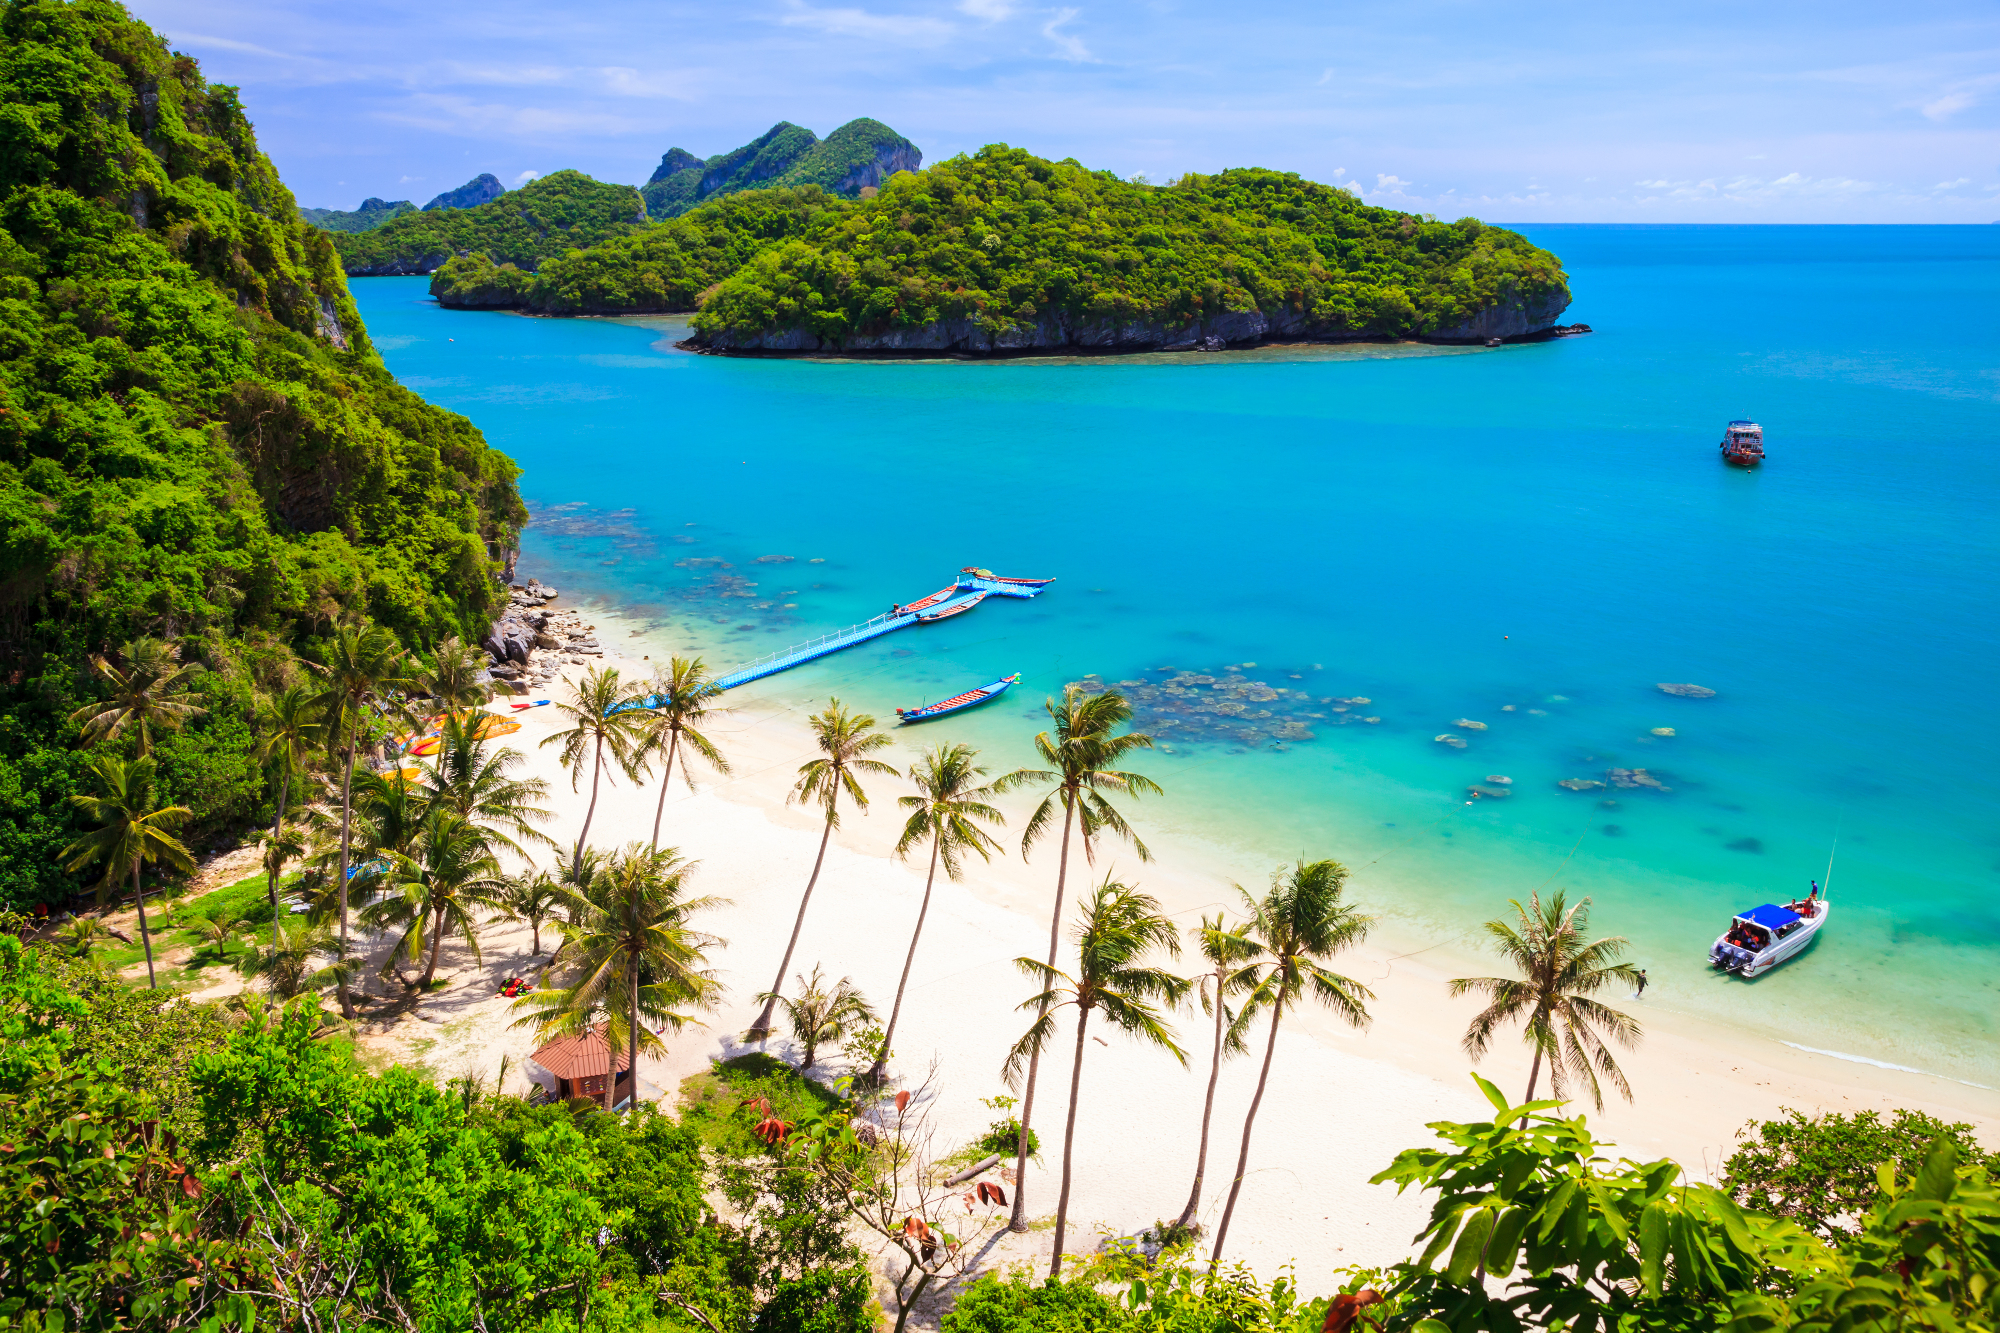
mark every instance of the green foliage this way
{"type": "Point", "coordinates": [785, 155]}
{"type": "Point", "coordinates": [1818, 1170]}
{"type": "Point", "coordinates": [714, 1103]}
{"type": "Point", "coordinates": [1019, 1305]}
{"type": "Point", "coordinates": [197, 441]}
{"type": "Point", "coordinates": [372, 214]}
{"type": "Point", "coordinates": [664, 267]}
{"type": "Point", "coordinates": [823, 1300]}
{"type": "Point", "coordinates": [1002, 239]}
{"type": "Point", "coordinates": [1174, 1293]}
{"type": "Point", "coordinates": [564, 211]}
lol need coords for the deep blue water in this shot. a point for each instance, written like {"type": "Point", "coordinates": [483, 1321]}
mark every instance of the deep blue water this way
{"type": "Point", "coordinates": [1446, 532]}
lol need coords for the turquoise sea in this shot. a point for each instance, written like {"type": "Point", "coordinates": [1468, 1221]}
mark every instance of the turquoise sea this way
{"type": "Point", "coordinates": [1532, 537]}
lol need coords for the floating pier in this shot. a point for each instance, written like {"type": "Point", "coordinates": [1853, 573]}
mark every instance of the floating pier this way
{"type": "Point", "coordinates": [971, 587]}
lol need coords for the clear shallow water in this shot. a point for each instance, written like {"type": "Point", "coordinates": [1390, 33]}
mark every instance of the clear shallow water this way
{"type": "Point", "coordinates": [1443, 531]}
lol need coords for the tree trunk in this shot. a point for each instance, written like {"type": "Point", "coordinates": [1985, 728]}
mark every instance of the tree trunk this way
{"type": "Point", "coordinates": [596, 772]}
{"type": "Point", "coordinates": [1018, 1219]}
{"type": "Point", "coordinates": [673, 744]}
{"type": "Point", "coordinates": [762, 1027]}
{"type": "Point", "coordinates": [903, 1307]}
{"type": "Point", "coordinates": [277, 832]}
{"type": "Point", "coordinates": [346, 837]}
{"type": "Point", "coordinates": [1069, 1137]}
{"type": "Point", "coordinates": [1207, 1110]}
{"type": "Point", "coordinates": [437, 944]}
{"type": "Point", "coordinates": [145, 936]}
{"type": "Point", "coordinates": [882, 1061]}
{"type": "Point", "coordinates": [1243, 1158]}
{"type": "Point", "coordinates": [1534, 1072]}
{"type": "Point", "coordinates": [632, 1043]}
{"type": "Point", "coordinates": [535, 931]}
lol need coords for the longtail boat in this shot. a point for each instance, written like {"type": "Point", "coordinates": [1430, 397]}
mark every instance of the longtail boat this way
{"type": "Point", "coordinates": [958, 702]}
{"type": "Point", "coordinates": [958, 608]}
{"type": "Point", "coordinates": [924, 604]}
{"type": "Point", "coordinates": [991, 577]}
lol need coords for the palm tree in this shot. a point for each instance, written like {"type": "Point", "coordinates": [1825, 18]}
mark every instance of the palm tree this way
{"type": "Point", "coordinates": [1117, 928]}
{"type": "Point", "coordinates": [135, 830]}
{"type": "Point", "coordinates": [1080, 755]}
{"type": "Point", "coordinates": [946, 812]}
{"type": "Point", "coordinates": [1558, 1018]}
{"type": "Point", "coordinates": [217, 933]}
{"type": "Point", "coordinates": [1301, 923]}
{"type": "Point", "coordinates": [606, 716]}
{"type": "Point", "coordinates": [363, 664]}
{"type": "Point", "coordinates": [531, 897]}
{"type": "Point", "coordinates": [453, 676]}
{"type": "Point", "coordinates": [630, 937]}
{"type": "Point", "coordinates": [288, 965]}
{"type": "Point", "coordinates": [682, 700]}
{"type": "Point", "coordinates": [820, 1017]}
{"type": "Point", "coordinates": [450, 870]}
{"type": "Point", "coordinates": [845, 740]}
{"type": "Point", "coordinates": [1231, 972]}
{"type": "Point", "coordinates": [141, 697]}
{"type": "Point", "coordinates": [472, 780]}
{"type": "Point", "coordinates": [289, 732]}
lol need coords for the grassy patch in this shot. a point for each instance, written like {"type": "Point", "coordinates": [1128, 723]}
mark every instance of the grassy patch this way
{"type": "Point", "coordinates": [174, 928]}
{"type": "Point", "coordinates": [713, 1102]}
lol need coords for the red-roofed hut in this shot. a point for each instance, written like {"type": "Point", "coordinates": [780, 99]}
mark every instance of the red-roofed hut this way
{"type": "Point", "coordinates": [583, 1066]}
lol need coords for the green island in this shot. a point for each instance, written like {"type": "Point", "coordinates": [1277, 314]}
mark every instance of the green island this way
{"type": "Point", "coordinates": [858, 156]}
{"type": "Point", "coordinates": [563, 211]}
{"type": "Point", "coordinates": [372, 214]}
{"type": "Point", "coordinates": [1002, 251]}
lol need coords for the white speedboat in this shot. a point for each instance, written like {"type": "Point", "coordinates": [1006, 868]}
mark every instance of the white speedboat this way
{"type": "Point", "coordinates": [1763, 937]}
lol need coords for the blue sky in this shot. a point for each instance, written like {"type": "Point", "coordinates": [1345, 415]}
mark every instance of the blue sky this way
{"type": "Point", "coordinates": [1742, 112]}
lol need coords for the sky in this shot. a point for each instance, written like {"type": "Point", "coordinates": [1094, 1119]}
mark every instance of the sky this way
{"type": "Point", "coordinates": [1829, 111]}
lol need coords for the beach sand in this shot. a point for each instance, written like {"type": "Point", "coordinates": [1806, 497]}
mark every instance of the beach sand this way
{"type": "Point", "coordinates": [1341, 1103]}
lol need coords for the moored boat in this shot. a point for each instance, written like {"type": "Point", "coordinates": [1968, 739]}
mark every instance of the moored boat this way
{"type": "Point", "coordinates": [1764, 936]}
{"type": "Point", "coordinates": [957, 608]}
{"type": "Point", "coordinates": [1743, 443]}
{"type": "Point", "coordinates": [959, 702]}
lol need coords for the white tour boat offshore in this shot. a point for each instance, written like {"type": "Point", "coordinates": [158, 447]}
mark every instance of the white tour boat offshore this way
{"type": "Point", "coordinates": [1763, 937]}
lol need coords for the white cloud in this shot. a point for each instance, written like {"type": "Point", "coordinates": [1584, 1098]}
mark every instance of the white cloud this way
{"type": "Point", "coordinates": [1952, 185]}
{"type": "Point", "coordinates": [196, 39]}
{"type": "Point", "coordinates": [1391, 184]}
{"type": "Point", "coordinates": [1325, 78]}
{"type": "Point", "coordinates": [908, 29]}
{"type": "Point", "coordinates": [1944, 108]}
{"type": "Point", "coordinates": [402, 180]}
{"type": "Point", "coordinates": [525, 177]}
{"type": "Point", "coordinates": [1068, 46]}
{"type": "Point", "coordinates": [993, 11]}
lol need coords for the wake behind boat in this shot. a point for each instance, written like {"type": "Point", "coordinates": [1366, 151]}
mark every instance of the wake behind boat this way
{"type": "Point", "coordinates": [1765, 936]}
{"type": "Point", "coordinates": [959, 702]}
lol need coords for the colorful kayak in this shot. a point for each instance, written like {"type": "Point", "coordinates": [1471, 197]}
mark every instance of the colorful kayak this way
{"type": "Point", "coordinates": [959, 702]}
{"type": "Point", "coordinates": [539, 703]}
{"type": "Point", "coordinates": [947, 612]}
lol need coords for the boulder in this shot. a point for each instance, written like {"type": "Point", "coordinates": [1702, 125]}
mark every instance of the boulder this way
{"type": "Point", "coordinates": [1687, 691]}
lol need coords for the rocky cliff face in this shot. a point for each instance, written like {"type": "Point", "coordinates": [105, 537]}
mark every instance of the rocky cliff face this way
{"type": "Point", "coordinates": [481, 189]}
{"type": "Point", "coordinates": [890, 158]}
{"type": "Point", "coordinates": [1508, 319]}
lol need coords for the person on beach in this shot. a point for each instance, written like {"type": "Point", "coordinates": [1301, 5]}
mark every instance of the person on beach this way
{"type": "Point", "coordinates": [1642, 984]}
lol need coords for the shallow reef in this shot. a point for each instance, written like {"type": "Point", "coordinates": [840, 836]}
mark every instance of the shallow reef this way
{"type": "Point", "coordinates": [1229, 705]}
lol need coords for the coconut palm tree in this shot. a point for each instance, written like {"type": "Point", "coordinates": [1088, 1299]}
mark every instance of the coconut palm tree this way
{"type": "Point", "coordinates": [683, 700]}
{"type": "Point", "coordinates": [1301, 923]}
{"type": "Point", "coordinates": [363, 665]}
{"type": "Point", "coordinates": [1557, 1016]}
{"type": "Point", "coordinates": [605, 716]}
{"type": "Point", "coordinates": [141, 701]}
{"type": "Point", "coordinates": [534, 898]}
{"type": "Point", "coordinates": [845, 742]}
{"type": "Point", "coordinates": [218, 933]}
{"type": "Point", "coordinates": [289, 966]}
{"type": "Point", "coordinates": [820, 1017]}
{"type": "Point", "coordinates": [1080, 753]}
{"type": "Point", "coordinates": [1116, 929]}
{"type": "Point", "coordinates": [630, 942]}
{"type": "Point", "coordinates": [946, 812]}
{"type": "Point", "coordinates": [471, 778]}
{"type": "Point", "coordinates": [135, 831]}
{"type": "Point", "coordinates": [289, 732]}
{"type": "Point", "coordinates": [449, 871]}
{"type": "Point", "coordinates": [1230, 954]}
{"type": "Point", "coordinates": [453, 676]}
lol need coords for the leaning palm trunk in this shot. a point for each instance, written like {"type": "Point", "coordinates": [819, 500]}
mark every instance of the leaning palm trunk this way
{"type": "Point", "coordinates": [1207, 1110]}
{"type": "Point", "coordinates": [145, 936]}
{"type": "Point", "coordinates": [1018, 1219]}
{"type": "Point", "coordinates": [277, 831]}
{"type": "Point", "coordinates": [666, 780]}
{"type": "Point", "coordinates": [346, 837]}
{"type": "Point", "coordinates": [1069, 1138]}
{"type": "Point", "coordinates": [596, 772]}
{"type": "Point", "coordinates": [762, 1027]}
{"type": "Point", "coordinates": [632, 1041]}
{"type": "Point", "coordinates": [1243, 1158]}
{"type": "Point", "coordinates": [896, 1010]}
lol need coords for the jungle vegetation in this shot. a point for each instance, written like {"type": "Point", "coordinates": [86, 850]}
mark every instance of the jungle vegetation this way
{"type": "Point", "coordinates": [786, 155]}
{"type": "Point", "coordinates": [198, 444]}
{"type": "Point", "coordinates": [372, 214]}
{"type": "Point", "coordinates": [566, 210]}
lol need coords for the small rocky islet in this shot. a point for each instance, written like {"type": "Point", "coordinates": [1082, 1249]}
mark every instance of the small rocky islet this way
{"type": "Point", "coordinates": [1231, 706]}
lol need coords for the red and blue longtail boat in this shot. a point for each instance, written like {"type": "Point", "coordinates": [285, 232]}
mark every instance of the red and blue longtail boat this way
{"type": "Point", "coordinates": [958, 702]}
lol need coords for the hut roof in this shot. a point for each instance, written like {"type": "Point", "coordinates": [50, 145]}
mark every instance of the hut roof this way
{"type": "Point", "coordinates": [585, 1055]}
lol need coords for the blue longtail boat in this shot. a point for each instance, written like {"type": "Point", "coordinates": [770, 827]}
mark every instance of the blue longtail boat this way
{"type": "Point", "coordinates": [958, 702]}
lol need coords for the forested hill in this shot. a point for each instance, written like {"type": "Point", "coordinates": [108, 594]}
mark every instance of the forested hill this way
{"type": "Point", "coordinates": [859, 155]}
{"type": "Point", "coordinates": [563, 211]}
{"type": "Point", "coordinates": [197, 441]}
{"type": "Point", "coordinates": [1004, 251]}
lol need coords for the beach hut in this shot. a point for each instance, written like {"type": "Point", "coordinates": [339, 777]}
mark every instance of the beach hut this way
{"type": "Point", "coordinates": [583, 1065]}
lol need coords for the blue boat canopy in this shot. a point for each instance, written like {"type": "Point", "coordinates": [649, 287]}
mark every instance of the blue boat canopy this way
{"type": "Point", "coordinates": [1770, 916]}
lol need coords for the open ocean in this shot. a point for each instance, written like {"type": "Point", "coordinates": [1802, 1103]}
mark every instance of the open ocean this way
{"type": "Point", "coordinates": [1532, 537]}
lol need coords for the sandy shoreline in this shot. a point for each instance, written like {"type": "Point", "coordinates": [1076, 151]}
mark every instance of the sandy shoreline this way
{"type": "Point", "coordinates": [1342, 1102]}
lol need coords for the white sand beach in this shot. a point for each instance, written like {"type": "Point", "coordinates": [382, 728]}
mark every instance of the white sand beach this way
{"type": "Point", "coordinates": [1341, 1103]}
